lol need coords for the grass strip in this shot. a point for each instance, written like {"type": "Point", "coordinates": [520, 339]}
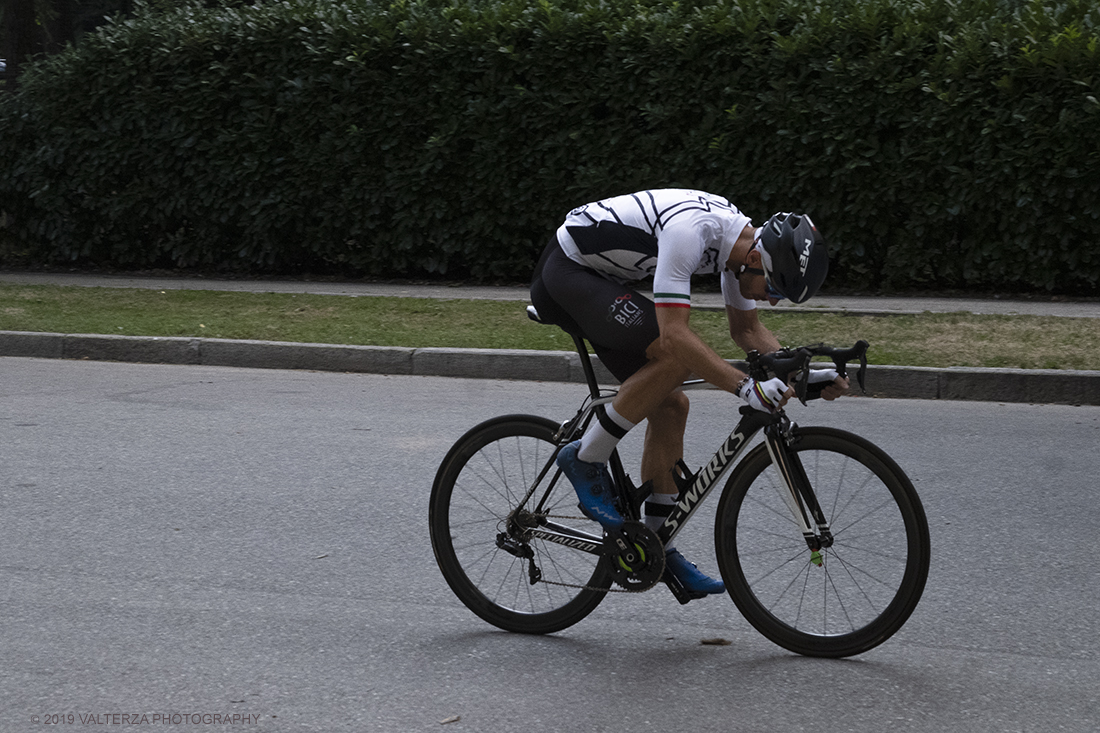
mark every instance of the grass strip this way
{"type": "Point", "coordinates": [933, 340]}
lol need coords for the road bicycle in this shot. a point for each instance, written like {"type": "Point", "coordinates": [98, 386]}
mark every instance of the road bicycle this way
{"type": "Point", "coordinates": [821, 539]}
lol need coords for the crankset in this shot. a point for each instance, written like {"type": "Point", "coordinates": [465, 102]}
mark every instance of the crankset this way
{"type": "Point", "coordinates": [637, 556]}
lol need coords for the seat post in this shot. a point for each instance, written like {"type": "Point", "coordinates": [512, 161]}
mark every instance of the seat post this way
{"type": "Point", "coordinates": [586, 365]}
{"type": "Point", "coordinates": [582, 352]}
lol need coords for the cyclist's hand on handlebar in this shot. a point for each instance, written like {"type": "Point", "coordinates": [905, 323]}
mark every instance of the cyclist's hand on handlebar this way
{"type": "Point", "coordinates": [766, 396]}
{"type": "Point", "coordinates": [827, 384]}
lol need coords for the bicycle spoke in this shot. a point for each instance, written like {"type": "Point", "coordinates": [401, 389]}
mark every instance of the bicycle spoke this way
{"type": "Point", "coordinates": [483, 554]}
{"type": "Point", "coordinates": [847, 600]}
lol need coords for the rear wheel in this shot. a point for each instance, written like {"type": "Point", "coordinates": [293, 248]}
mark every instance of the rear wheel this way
{"type": "Point", "coordinates": [480, 536]}
{"type": "Point", "coordinates": [862, 588]}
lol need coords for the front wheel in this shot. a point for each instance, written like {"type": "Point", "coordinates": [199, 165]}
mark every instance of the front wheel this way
{"type": "Point", "coordinates": [489, 517]}
{"type": "Point", "coordinates": [862, 588]}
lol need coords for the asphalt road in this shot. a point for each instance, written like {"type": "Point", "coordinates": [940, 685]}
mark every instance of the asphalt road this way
{"type": "Point", "coordinates": [192, 541]}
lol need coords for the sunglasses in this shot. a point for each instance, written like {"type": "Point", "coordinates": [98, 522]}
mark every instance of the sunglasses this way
{"type": "Point", "coordinates": [770, 291]}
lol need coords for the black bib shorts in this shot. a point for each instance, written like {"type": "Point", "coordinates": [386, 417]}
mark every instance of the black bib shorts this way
{"type": "Point", "coordinates": [617, 320]}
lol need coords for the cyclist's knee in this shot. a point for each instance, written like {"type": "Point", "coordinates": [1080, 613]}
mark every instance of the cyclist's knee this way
{"type": "Point", "coordinates": [658, 358]}
{"type": "Point", "coordinates": [674, 409]}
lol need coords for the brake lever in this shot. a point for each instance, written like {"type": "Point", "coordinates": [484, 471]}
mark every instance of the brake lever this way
{"type": "Point", "coordinates": [840, 361]}
{"type": "Point", "coordinates": [793, 367]}
{"type": "Point", "coordinates": [862, 373]}
{"type": "Point", "coordinates": [802, 383]}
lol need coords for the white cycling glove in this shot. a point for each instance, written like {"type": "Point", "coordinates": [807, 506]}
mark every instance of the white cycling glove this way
{"type": "Point", "coordinates": [763, 396]}
{"type": "Point", "coordinates": [823, 375]}
{"type": "Point", "coordinates": [819, 380]}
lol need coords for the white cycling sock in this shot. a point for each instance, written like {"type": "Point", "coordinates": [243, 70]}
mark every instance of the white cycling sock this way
{"type": "Point", "coordinates": [603, 435]}
{"type": "Point", "coordinates": [657, 509]}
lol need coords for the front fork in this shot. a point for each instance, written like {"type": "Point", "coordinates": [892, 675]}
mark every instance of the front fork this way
{"type": "Point", "coordinates": [795, 490]}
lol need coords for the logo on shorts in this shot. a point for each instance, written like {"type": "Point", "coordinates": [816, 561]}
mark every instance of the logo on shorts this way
{"type": "Point", "coordinates": [625, 312]}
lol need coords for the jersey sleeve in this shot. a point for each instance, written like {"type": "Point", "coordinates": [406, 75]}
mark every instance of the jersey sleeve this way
{"type": "Point", "coordinates": [731, 293]}
{"type": "Point", "coordinates": [680, 248]}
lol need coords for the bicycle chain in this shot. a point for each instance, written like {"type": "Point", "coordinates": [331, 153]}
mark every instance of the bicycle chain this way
{"type": "Point", "coordinates": [610, 589]}
{"type": "Point", "coordinates": [613, 588]}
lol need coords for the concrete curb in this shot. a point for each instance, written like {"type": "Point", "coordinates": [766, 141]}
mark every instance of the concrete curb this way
{"type": "Point", "coordinates": [1049, 386]}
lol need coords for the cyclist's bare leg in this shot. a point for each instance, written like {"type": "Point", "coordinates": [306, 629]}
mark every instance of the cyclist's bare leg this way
{"type": "Point", "coordinates": [664, 442]}
{"type": "Point", "coordinates": [646, 389]}
{"type": "Point", "coordinates": [653, 392]}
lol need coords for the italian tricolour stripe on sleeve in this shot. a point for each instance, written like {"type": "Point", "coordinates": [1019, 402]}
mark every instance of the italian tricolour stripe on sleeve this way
{"type": "Point", "coordinates": [672, 300]}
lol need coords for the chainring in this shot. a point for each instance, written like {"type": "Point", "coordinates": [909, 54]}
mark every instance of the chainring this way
{"type": "Point", "coordinates": [636, 555]}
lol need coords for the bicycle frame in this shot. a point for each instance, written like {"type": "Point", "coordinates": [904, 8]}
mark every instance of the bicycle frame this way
{"type": "Point", "coordinates": [694, 489]}
{"type": "Point", "coordinates": [710, 475]}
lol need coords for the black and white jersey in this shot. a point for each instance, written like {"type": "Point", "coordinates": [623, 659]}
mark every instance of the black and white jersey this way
{"type": "Point", "coordinates": [669, 234]}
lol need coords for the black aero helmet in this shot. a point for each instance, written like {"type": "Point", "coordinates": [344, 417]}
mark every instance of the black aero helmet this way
{"type": "Point", "coordinates": [795, 258]}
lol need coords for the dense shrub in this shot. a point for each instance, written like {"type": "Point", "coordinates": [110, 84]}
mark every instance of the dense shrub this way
{"type": "Point", "coordinates": [936, 143]}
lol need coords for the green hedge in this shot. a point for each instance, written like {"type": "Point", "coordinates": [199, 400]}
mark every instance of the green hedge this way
{"type": "Point", "coordinates": [937, 144]}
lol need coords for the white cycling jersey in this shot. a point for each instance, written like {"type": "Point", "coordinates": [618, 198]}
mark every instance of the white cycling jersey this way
{"type": "Point", "coordinates": [669, 233]}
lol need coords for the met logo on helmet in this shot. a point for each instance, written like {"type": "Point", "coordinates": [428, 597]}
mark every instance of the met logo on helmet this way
{"type": "Point", "coordinates": [804, 258]}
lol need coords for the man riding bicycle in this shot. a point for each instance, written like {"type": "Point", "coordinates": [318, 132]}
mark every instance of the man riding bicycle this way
{"type": "Point", "coordinates": [580, 284]}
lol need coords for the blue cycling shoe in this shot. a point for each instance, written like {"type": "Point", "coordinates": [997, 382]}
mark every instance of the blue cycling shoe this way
{"type": "Point", "coordinates": [592, 483]}
{"type": "Point", "coordinates": [689, 576]}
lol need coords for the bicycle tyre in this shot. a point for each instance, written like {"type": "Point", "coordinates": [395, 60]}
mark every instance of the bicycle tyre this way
{"type": "Point", "coordinates": [872, 577]}
{"type": "Point", "coordinates": [481, 480]}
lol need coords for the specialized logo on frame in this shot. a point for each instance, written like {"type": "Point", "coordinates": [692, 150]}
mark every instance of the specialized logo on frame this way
{"type": "Point", "coordinates": [625, 312]}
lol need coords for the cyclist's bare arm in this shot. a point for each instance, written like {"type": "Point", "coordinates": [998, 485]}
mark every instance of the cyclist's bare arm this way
{"type": "Point", "coordinates": [679, 342]}
{"type": "Point", "coordinates": [749, 333]}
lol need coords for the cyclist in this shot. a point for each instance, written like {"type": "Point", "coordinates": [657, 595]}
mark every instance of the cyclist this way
{"type": "Point", "coordinates": [581, 283]}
